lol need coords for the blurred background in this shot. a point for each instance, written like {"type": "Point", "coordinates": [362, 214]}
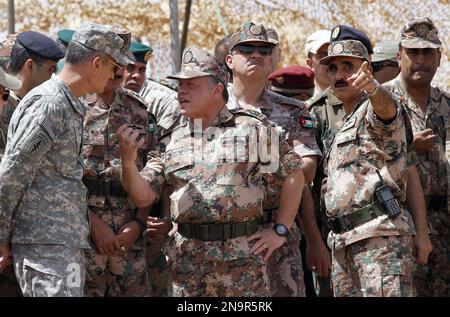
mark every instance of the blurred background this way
{"type": "Point", "coordinates": [210, 20]}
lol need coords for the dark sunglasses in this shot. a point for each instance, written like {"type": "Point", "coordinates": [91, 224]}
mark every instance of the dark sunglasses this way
{"type": "Point", "coordinates": [5, 95]}
{"type": "Point", "coordinates": [377, 66]}
{"type": "Point", "coordinates": [249, 49]}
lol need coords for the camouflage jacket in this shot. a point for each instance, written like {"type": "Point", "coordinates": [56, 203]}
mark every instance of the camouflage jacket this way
{"type": "Point", "coordinates": [43, 200]}
{"type": "Point", "coordinates": [431, 165]}
{"type": "Point", "coordinates": [162, 102]}
{"type": "Point", "coordinates": [101, 144]}
{"type": "Point", "coordinates": [213, 178]}
{"type": "Point", "coordinates": [5, 118]}
{"type": "Point", "coordinates": [362, 146]}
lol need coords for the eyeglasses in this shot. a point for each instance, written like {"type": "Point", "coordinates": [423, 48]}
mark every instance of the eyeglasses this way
{"type": "Point", "coordinates": [52, 68]}
{"type": "Point", "coordinates": [249, 49]}
{"type": "Point", "coordinates": [116, 66]}
{"type": "Point", "coordinates": [377, 66]}
{"type": "Point", "coordinates": [5, 95]}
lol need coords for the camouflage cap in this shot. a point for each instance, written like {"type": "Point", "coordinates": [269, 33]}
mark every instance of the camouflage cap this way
{"type": "Point", "coordinates": [198, 63]}
{"type": "Point", "coordinates": [420, 33]}
{"type": "Point", "coordinates": [101, 38]}
{"type": "Point", "coordinates": [385, 51]}
{"type": "Point", "coordinates": [272, 36]}
{"type": "Point", "coordinates": [249, 32]}
{"type": "Point", "coordinates": [125, 35]}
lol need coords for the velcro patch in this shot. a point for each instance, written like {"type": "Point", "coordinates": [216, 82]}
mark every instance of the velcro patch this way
{"type": "Point", "coordinates": [40, 139]}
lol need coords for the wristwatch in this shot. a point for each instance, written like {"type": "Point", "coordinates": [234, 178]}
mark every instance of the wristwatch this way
{"type": "Point", "coordinates": [377, 86]}
{"type": "Point", "coordinates": [281, 230]}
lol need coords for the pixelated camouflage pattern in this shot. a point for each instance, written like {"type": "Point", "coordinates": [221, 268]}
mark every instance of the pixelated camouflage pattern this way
{"type": "Point", "coordinates": [43, 198]}
{"type": "Point", "coordinates": [125, 35]}
{"type": "Point", "coordinates": [158, 269]}
{"type": "Point", "coordinates": [113, 276]}
{"type": "Point", "coordinates": [197, 62]}
{"type": "Point", "coordinates": [101, 38]}
{"type": "Point", "coordinates": [163, 103]}
{"type": "Point", "coordinates": [116, 275]}
{"type": "Point", "coordinates": [374, 267]}
{"type": "Point", "coordinates": [249, 32]}
{"type": "Point", "coordinates": [420, 33]}
{"type": "Point", "coordinates": [363, 145]}
{"type": "Point", "coordinates": [49, 270]}
{"type": "Point", "coordinates": [350, 48]}
{"type": "Point", "coordinates": [5, 117]}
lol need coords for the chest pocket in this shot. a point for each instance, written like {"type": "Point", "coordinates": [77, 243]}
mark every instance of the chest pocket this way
{"type": "Point", "coordinates": [179, 163]}
{"type": "Point", "coordinates": [346, 146]}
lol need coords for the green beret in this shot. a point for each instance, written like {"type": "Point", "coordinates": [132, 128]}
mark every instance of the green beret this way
{"type": "Point", "coordinates": [141, 51]}
{"type": "Point", "coordinates": [65, 35]}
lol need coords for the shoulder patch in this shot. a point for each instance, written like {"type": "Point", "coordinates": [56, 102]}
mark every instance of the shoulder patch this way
{"type": "Point", "coordinates": [136, 96]}
{"type": "Point", "coordinates": [40, 139]}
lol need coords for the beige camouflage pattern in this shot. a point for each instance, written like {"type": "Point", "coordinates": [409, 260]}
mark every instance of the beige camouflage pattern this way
{"type": "Point", "coordinates": [5, 117]}
{"type": "Point", "coordinates": [375, 267]}
{"type": "Point", "coordinates": [214, 193]}
{"type": "Point", "coordinates": [197, 62]}
{"type": "Point", "coordinates": [101, 38]}
{"type": "Point", "coordinates": [125, 35]}
{"type": "Point", "coordinates": [49, 270]}
{"type": "Point", "coordinates": [420, 33]}
{"type": "Point", "coordinates": [43, 198]}
{"type": "Point", "coordinates": [350, 48]}
{"type": "Point", "coordinates": [363, 145]}
{"type": "Point", "coordinates": [285, 114]}
{"type": "Point", "coordinates": [115, 275]}
{"type": "Point", "coordinates": [249, 32]}
{"type": "Point", "coordinates": [432, 279]}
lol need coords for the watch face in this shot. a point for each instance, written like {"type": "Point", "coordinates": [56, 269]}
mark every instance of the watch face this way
{"type": "Point", "coordinates": [281, 230]}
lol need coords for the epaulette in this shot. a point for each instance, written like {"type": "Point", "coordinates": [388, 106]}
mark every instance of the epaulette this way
{"type": "Point", "coordinates": [314, 100]}
{"type": "Point", "coordinates": [283, 100]}
{"type": "Point", "coordinates": [136, 96]}
{"type": "Point", "coordinates": [251, 113]}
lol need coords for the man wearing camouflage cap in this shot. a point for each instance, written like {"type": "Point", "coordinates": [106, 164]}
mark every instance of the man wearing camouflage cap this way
{"type": "Point", "coordinates": [117, 266]}
{"type": "Point", "coordinates": [365, 195]}
{"type": "Point", "coordinates": [428, 108]}
{"type": "Point", "coordinates": [384, 61]}
{"type": "Point", "coordinates": [250, 62]}
{"type": "Point", "coordinates": [216, 200]}
{"type": "Point", "coordinates": [43, 217]}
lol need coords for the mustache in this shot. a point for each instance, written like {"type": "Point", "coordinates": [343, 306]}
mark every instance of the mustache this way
{"type": "Point", "coordinates": [340, 83]}
{"type": "Point", "coordinates": [421, 68]}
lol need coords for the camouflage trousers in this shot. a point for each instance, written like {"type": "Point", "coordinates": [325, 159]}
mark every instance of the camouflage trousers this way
{"type": "Point", "coordinates": [285, 268]}
{"type": "Point", "coordinates": [158, 270]}
{"type": "Point", "coordinates": [49, 270]}
{"type": "Point", "coordinates": [433, 279]}
{"type": "Point", "coordinates": [124, 275]}
{"type": "Point", "coordinates": [9, 286]}
{"type": "Point", "coordinates": [241, 277]}
{"type": "Point", "coordinates": [378, 266]}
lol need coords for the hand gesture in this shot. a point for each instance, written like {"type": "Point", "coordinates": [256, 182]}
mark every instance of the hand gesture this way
{"type": "Point", "coordinates": [363, 79]}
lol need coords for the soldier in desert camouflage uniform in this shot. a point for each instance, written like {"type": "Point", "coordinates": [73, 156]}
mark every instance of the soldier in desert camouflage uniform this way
{"type": "Point", "coordinates": [372, 252]}
{"type": "Point", "coordinates": [117, 266]}
{"type": "Point", "coordinates": [43, 211]}
{"type": "Point", "coordinates": [215, 203]}
{"type": "Point", "coordinates": [250, 62]}
{"type": "Point", "coordinates": [428, 109]}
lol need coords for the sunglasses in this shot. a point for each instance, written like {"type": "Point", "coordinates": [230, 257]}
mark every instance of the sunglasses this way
{"type": "Point", "coordinates": [5, 95]}
{"type": "Point", "coordinates": [249, 49]}
{"type": "Point", "coordinates": [116, 66]}
{"type": "Point", "coordinates": [377, 66]}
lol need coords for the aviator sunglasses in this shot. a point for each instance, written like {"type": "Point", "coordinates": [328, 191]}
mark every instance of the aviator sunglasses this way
{"type": "Point", "coordinates": [249, 49]}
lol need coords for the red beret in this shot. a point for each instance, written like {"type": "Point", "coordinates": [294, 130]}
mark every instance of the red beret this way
{"type": "Point", "coordinates": [292, 79]}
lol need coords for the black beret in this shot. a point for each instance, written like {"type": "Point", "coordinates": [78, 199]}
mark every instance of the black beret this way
{"type": "Point", "coordinates": [41, 45]}
{"type": "Point", "coordinates": [345, 32]}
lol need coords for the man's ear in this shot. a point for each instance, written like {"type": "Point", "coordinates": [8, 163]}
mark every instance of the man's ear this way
{"type": "Point", "coordinates": [218, 90]}
{"type": "Point", "coordinates": [229, 61]}
{"type": "Point", "coordinates": [309, 62]}
{"type": "Point", "coordinates": [96, 62]}
{"type": "Point", "coordinates": [28, 66]}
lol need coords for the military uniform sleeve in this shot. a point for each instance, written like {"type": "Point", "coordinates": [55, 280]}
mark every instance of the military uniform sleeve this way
{"type": "Point", "coordinates": [305, 139]}
{"type": "Point", "coordinates": [153, 173]}
{"type": "Point", "coordinates": [32, 136]}
{"type": "Point", "coordinates": [378, 127]}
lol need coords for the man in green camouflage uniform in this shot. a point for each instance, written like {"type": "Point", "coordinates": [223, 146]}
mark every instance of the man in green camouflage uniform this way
{"type": "Point", "coordinates": [43, 211]}
{"type": "Point", "coordinates": [372, 252]}
{"type": "Point", "coordinates": [250, 62]}
{"type": "Point", "coordinates": [428, 109]}
{"type": "Point", "coordinates": [117, 266]}
{"type": "Point", "coordinates": [217, 191]}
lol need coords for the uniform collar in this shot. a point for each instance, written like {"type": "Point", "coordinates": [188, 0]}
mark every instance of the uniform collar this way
{"type": "Point", "coordinates": [76, 103]}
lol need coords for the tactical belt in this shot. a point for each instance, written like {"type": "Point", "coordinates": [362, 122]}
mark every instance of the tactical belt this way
{"type": "Point", "coordinates": [217, 231]}
{"type": "Point", "coordinates": [436, 203]}
{"type": "Point", "coordinates": [348, 222]}
{"type": "Point", "coordinates": [268, 215]}
{"type": "Point", "coordinates": [104, 188]}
